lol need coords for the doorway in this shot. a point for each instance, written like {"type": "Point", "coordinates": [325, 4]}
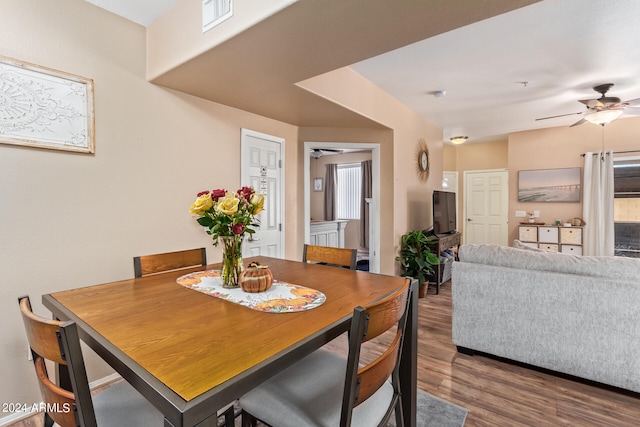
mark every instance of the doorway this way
{"type": "Point", "coordinates": [374, 227]}
{"type": "Point", "coordinates": [486, 207]}
{"type": "Point", "coordinates": [262, 168]}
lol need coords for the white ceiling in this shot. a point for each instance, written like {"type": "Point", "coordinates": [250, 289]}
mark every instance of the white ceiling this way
{"type": "Point", "coordinates": [561, 48]}
{"type": "Point", "coordinates": [144, 12]}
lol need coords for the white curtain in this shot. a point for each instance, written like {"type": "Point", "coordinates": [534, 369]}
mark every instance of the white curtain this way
{"type": "Point", "coordinates": [597, 204]}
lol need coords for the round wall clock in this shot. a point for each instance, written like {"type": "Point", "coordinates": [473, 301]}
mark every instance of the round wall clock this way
{"type": "Point", "coordinates": [423, 160]}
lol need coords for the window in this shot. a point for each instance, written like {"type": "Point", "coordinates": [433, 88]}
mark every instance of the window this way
{"type": "Point", "coordinates": [215, 12]}
{"type": "Point", "coordinates": [348, 191]}
{"type": "Point", "coordinates": [626, 208]}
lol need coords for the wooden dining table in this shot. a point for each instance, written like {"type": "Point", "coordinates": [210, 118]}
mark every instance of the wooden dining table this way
{"type": "Point", "coordinates": [191, 354]}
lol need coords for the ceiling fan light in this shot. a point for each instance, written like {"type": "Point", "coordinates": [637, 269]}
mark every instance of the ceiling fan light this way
{"type": "Point", "coordinates": [457, 140]}
{"type": "Point", "coordinates": [603, 117]}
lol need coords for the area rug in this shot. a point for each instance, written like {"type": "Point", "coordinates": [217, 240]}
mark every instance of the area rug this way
{"type": "Point", "coordinates": [435, 412]}
{"type": "Point", "coordinates": [431, 412]}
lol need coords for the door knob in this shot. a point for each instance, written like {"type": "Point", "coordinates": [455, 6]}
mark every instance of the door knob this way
{"type": "Point", "coordinates": [469, 219]}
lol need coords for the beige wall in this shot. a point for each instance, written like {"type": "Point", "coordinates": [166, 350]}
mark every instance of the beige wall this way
{"type": "Point", "coordinates": [558, 147]}
{"type": "Point", "coordinates": [405, 199]}
{"type": "Point", "coordinates": [69, 220]}
{"type": "Point", "coordinates": [171, 43]}
{"type": "Point", "coordinates": [481, 156]}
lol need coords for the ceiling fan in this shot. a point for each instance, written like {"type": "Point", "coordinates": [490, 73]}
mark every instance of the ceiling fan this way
{"type": "Point", "coordinates": [604, 109]}
{"type": "Point", "coordinates": [316, 153]}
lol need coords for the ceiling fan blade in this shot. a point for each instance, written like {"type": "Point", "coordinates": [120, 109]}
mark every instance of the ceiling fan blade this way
{"type": "Point", "coordinates": [561, 115]}
{"type": "Point", "coordinates": [591, 103]}
{"type": "Point", "coordinates": [579, 122]}
{"type": "Point", "coordinates": [633, 102]}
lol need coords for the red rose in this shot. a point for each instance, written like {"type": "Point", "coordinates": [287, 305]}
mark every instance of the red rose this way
{"type": "Point", "coordinates": [245, 193]}
{"type": "Point", "coordinates": [217, 194]}
{"type": "Point", "coordinates": [237, 229]}
{"type": "Point", "coordinates": [202, 193]}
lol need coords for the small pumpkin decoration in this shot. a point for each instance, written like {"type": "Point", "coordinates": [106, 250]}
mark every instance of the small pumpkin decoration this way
{"type": "Point", "coordinates": [256, 278]}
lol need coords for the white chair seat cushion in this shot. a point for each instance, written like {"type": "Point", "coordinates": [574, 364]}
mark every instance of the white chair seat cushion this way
{"type": "Point", "coordinates": [121, 405]}
{"type": "Point", "coordinates": [309, 393]}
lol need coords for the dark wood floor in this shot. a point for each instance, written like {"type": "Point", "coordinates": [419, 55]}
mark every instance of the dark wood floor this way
{"type": "Point", "coordinates": [503, 394]}
{"type": "Point", "coordinates": [498, 393]}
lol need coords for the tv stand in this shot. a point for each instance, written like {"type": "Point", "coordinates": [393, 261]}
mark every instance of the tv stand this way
{"type": "Point", "coordinates": [444, 242]}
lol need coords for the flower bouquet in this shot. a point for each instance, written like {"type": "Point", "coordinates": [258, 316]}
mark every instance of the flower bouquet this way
{"type": "Point", "coordinates": [228, 217]}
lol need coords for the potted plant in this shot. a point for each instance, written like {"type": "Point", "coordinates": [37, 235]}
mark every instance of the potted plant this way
{"type": "Point", "coordinates": [416, 258]}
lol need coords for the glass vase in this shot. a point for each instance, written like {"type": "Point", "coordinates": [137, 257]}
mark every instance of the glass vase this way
{"type": "Point", "coordinates": [231, 261]}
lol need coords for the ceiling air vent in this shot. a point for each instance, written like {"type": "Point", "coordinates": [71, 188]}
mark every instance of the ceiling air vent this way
{"type": "Point", "coordinates": [215, 12]}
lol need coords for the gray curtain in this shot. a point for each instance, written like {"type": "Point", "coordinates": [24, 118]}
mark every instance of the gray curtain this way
{"type": "Point", "coordinates": [364, 207]}
{"type": "Point", "coordinates": [331, 182]}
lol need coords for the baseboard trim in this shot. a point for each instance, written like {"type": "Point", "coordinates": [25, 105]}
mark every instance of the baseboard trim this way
{"type": "Point", "coordinates": [104, 381]}
{"type": "Point", "coordinates": [627, 392]}
{"type": "Point", "coordinates": [15, 417]}
{"type": "Point", "coordinates": [19, 416]}
{"type": "Point", "coordinates": [465, 350]}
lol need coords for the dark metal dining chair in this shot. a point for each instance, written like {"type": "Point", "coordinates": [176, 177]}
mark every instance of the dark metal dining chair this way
{"type": "Point", "coordinates": [337, 257]}
{"type": "Point", "coordinates": [58, 342]}
{"type": "Point", "coordinates": [325, 389]}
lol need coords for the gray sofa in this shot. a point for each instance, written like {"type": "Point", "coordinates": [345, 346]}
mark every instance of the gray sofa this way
{"type": "Point", "coordinates": [576, 315]}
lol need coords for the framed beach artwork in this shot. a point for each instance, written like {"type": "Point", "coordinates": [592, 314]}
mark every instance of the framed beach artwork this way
{"type": "Point", "coordinates": [45, 108]}
{"type": "Point", "coordinates": [550, 185]}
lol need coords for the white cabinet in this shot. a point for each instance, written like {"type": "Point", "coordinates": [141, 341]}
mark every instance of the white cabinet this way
{"type": "Point", "coordinates": [552, 238]}
{"type": "Point", "coordinates": [327, 233]}
{"type": "Point", "coordinates": [548, 234]}
{"type": "Point", "coordinates": [572, 249]}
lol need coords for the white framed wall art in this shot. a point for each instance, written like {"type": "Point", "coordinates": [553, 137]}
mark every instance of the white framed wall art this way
{"type": "Point", "coordinates": [45, 108]}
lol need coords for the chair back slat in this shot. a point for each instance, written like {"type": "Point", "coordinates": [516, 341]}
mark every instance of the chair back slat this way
{"type": "Point", "coordinates": [340, 257]}
{"type": "Point", "coordinates": [373, 375]}
{"type": "Point", "coordinates": [385, 314]}
{"type": "Point", "coordinates": [41, 334]}
{"type": "Point", "coordinates": [362, 382]}
{"type": "Point", "coordinates": [61, 401]}
{"type": "Point", "coordinates": [158, 263]}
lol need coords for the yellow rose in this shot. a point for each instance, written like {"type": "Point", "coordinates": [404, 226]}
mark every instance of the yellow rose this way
{"type": "Point", "coordinates": [201, 205]}
{"type": "Point", "coordinates": [228, 204]}
{"type": "Point", "coordinates": [257, 201]}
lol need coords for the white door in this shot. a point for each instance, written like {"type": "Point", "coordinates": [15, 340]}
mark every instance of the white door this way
{"type": "Point", "coordinates": [262, 169]}
{"type": "Point", "coordinates": [486, 207]}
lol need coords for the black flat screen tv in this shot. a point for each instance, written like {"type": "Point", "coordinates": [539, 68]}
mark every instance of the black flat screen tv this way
{"type": "Point", "coordinates": [444, 212]}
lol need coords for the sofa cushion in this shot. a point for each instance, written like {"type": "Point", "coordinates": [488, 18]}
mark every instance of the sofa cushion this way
{"type": "Point", "coordinates": [598, 266]}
